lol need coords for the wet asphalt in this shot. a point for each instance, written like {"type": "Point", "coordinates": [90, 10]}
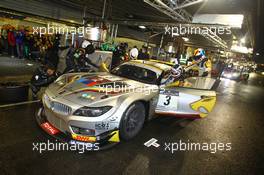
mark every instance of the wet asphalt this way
{"type": "Point", "coordinates": [237, 120]}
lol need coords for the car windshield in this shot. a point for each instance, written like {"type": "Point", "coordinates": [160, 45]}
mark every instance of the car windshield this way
{"type": "Point", "coordinates": [136, 73]}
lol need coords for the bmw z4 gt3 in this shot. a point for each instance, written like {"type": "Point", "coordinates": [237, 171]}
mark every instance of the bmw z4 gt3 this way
{"type": "Point", "coordinates": [108, 107]}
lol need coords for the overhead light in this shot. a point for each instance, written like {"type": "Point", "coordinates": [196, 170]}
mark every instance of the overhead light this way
{"type": "Point", "coordinates": [243, 40]}
{"type": "Point", "coordinates": [29, 64]}
{"type": "Point", "coordinates": [257, 54]}
{"type": "Point", "coordinates": [142, 27]}
{"type": "Point", "coordinates": [185, 39]}
{"type": "Point", "coordinates": [231, 20]}
{"type": "Point", "coordinates": [240, 49]}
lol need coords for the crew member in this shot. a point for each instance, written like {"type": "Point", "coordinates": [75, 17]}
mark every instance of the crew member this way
{"type": "Point", "coordinates": [78, 58]}
{"type": "Point", "coordinates": [143, 54]}
{"type": "Point", "coordinates": [133, 54]}
{"type": "Point", "coordinates": [174, 77]}
{"type": "Point", "coordinates": [203, 63]}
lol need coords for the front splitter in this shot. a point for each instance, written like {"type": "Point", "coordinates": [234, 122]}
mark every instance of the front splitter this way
{"type": "Point", "coordinates": [66, 137]}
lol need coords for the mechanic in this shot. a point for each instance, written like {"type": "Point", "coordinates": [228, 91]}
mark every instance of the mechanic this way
{"type": "Point", "coordinates": [174, 77]}
{"type": "Point", "coordinates": [133, 54]}
{"type": "Point", "coordinates": [78, 58]}
{"type": "Point", "coordinates": [52, 56]}
{"type": "Point", "coordinates": [119, 55]}
{"type": "Point", "coordinates": [42, 77]}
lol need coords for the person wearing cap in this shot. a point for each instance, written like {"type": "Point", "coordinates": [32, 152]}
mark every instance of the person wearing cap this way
{"type": "Point", "coordinates": [133, 54]}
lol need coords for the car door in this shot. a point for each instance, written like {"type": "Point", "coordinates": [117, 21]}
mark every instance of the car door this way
{"type": "Point", "coordinates": [193, 98]}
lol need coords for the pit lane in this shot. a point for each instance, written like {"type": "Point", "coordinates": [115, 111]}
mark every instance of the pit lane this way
{"type": "Point", "coordinates": [237, 118]}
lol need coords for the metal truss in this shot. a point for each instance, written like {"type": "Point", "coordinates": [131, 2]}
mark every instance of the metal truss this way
{"type": "Point", "coordinates": [167, 8]}
{"type": "Point", "coordinates": [211, 36]}
{"type": "Point", "coordinates": [174, 9]}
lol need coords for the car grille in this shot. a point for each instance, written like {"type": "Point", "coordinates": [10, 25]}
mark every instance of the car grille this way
{"type": "Point", "coordinates": [60, 108]}
{"type": "Point", "coordinates": [56, 106]}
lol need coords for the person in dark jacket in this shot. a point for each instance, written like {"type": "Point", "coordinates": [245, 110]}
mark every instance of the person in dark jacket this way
{"type": "Point", "coordinates": [19, 44]}
{"type": "Point", "coordinates": [143, 54]}
{"type": "Point", "coordinates": [52, 56]}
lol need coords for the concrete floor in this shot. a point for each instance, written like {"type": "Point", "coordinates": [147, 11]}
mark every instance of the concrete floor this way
{"type": "Point", "coordinates": [237, 118]}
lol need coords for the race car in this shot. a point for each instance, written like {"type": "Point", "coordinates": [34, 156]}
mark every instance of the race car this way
{"type": "Point", "coordinates": [236, 74]}
{"type": "Point", "coordinates": [107, 107]}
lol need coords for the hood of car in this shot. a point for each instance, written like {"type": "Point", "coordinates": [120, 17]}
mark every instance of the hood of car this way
{"type": "Point", "coordinates": [85, 88]}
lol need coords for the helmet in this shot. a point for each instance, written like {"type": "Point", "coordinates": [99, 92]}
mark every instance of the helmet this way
{"type": "Point", "coordinates": [176, 71]}
{"type": "Point", "coordinates": [199, 53]}
{"type": "Point", "coordinates": [88, 47]}
{"type": "Point", "coordinates": [133, 54]}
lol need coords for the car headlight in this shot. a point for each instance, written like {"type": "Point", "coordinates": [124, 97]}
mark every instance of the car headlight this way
{"type": "Point", "coordinates": [229, 76]}
{"type": "Point", "coordinates": [61, 81]}
{"type": "Point", "coordinates": [92, 111]}
{"type": "Point", "coordinates": [46, 100]}
{"type": "Point", "coordinates": [235, 74]}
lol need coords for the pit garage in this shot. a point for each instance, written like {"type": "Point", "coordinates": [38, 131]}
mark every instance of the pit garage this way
{"type": "Point", "coordinates": [131, 87]}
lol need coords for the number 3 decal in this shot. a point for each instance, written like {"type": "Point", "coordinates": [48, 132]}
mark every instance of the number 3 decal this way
{"type": "Point", "coordinates": [168, 98]}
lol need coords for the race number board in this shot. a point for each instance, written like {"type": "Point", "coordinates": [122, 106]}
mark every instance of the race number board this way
{"type": "Point", "coordinates": [168, 100]}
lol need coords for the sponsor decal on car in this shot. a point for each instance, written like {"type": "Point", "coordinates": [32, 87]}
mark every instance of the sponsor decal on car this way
{"type": "Point", "coordinates": [83, 138]}
{"type": "Point", "coordinates": [87, 82]}
{"type": "Point", "coordinates": [102, 126]}
{"type": "Point", "coordinates": [49, 128]}
{"type": "Point", "coordinates": [204, 106]}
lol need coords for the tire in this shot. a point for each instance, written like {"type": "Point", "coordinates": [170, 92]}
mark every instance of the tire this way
{"type": "Point", "coordinates": [132, 121]}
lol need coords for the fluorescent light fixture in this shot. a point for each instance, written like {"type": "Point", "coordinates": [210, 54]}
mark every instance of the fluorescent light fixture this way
{"type": "Point", "coordinates": [142, 27]}
{"type": "Point", "coordinates": [29, 64]}
{"type": "Point", "coordinates": [257, 54]}
{"type": "Point", "coordinates": [231, 20]}
{"type": "Point", "coordinates": [241, 49]}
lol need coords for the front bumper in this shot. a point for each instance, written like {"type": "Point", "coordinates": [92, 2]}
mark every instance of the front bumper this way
{"type": "Point", "coordinates": [103, 141]}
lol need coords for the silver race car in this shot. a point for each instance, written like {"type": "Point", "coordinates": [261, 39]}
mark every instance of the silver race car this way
{"type": "Point", "coordinates": [108, 107]}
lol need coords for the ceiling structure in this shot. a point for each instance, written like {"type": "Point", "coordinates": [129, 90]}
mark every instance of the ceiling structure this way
{"type": "Point", "coordinates": [131, 13]}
